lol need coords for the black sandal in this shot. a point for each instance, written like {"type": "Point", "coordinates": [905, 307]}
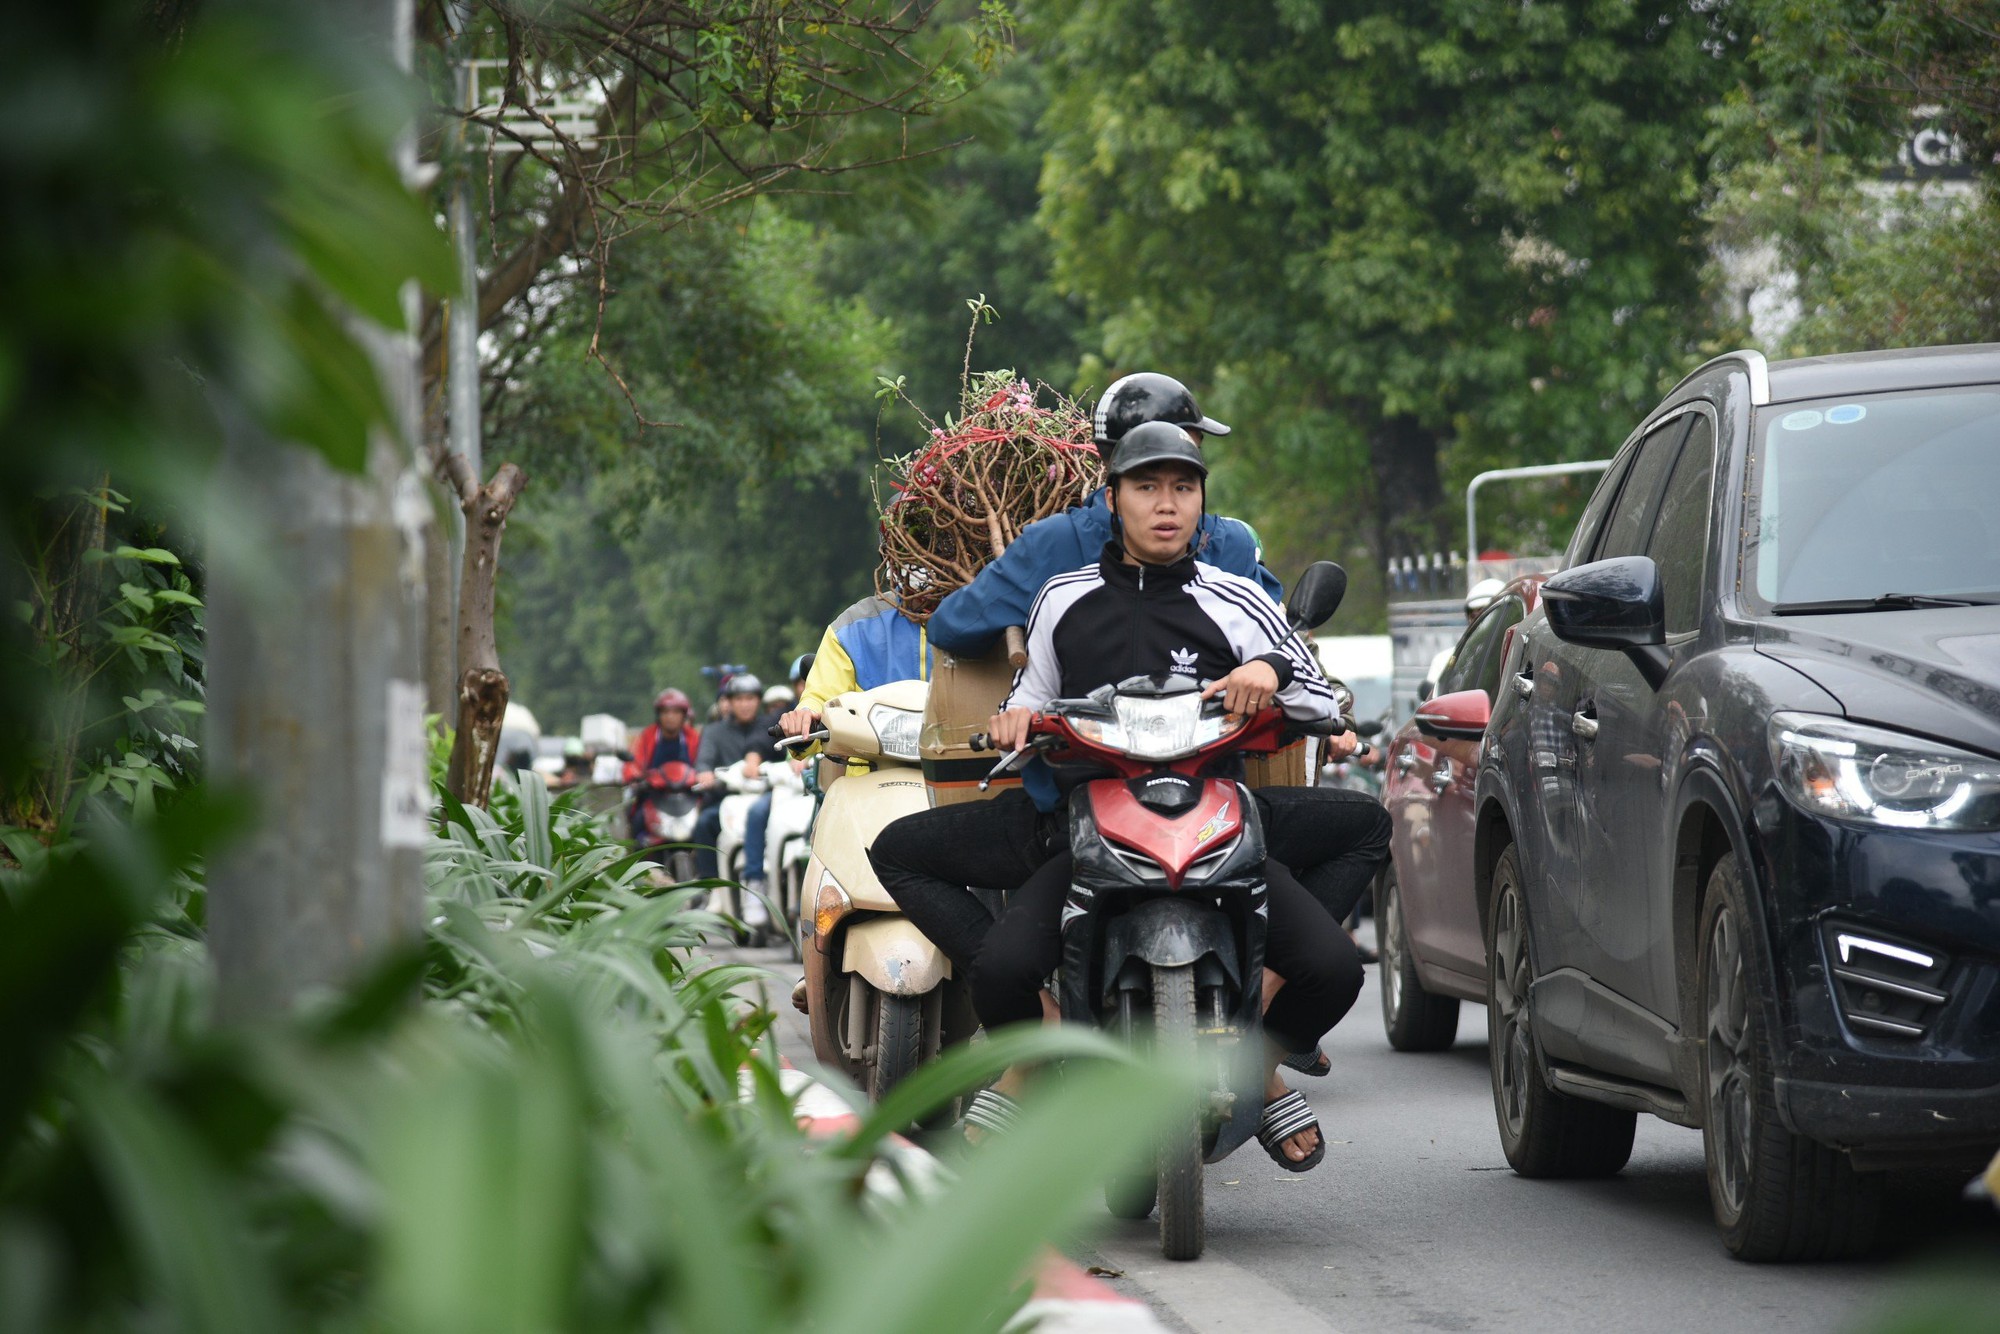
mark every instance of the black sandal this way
{"type": "Point", "coordinates": [1283, 1118]}
{"type": "Point", "coordinates": [1315, 1062]}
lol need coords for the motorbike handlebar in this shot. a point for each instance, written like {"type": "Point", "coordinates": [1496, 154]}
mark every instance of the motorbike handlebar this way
{"type": "Point", "coordinates": [817, 734]}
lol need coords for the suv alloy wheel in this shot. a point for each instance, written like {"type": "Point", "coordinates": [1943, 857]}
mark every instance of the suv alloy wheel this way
{"type": "Point", "coordinates": [1544, 1133]}
{"type": "Point", "coordinates": [1776, 1195]}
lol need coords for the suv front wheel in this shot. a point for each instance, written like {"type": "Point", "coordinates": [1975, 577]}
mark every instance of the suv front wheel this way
{"type": "Point", "coordinates": [1776, 1195]}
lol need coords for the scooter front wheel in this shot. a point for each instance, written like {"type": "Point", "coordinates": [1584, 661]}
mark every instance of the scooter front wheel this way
{"type": "Point", "coordinates": [899, 1042]}
{"type": "Point", "coordinates": [1183, 1228]}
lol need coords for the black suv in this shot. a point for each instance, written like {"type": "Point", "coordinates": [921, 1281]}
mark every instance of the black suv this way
{"type": "Point", "coordinates": [1737, 850]}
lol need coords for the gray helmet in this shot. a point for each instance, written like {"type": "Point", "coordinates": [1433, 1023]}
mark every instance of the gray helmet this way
{"type": "Point", "coordinates": [1155, 442]}
{"type": "Point", "coordinates": [1146, 397]}
{"type": "Point", "coordinates": [743, 683]}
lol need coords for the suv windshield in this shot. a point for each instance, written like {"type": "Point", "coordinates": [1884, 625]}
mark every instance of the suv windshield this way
{"type": "Point", "coordinates": [1877, 494]}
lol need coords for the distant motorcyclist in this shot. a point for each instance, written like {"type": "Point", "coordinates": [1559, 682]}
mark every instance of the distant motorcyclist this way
{"type": "Point", "coordinates": [738, 733]}
{"type": "Point", "coordinates": [668, 739]}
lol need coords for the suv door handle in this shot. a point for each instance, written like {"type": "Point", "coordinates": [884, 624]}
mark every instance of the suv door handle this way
{"type": "Point", "coordinates": [1441, 776]}
{"type": "Point", "coordinates": [1584, 722]}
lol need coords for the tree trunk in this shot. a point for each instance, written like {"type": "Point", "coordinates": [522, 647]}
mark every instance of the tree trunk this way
{"type": "Point", "coordinates": [482, 686]}
{"type": "Point", "coordinates": [440, 667]}
{"type": "Point", "coordinates": [1409, 497]}
{"type": "Point", "coordinates": [315, 701]}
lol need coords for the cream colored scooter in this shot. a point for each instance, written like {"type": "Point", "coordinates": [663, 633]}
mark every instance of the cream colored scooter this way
{"type": "Point", "coordinates": [881, 998]}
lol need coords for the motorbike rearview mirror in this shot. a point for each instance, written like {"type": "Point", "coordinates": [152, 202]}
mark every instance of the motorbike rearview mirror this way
{"type": "Point", "coordinates": [1316, 596]}
{"type": "Point", "coordinates": [1368, 727]}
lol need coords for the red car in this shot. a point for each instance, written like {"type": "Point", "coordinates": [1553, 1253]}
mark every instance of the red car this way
{"type": "Point", "coordinates": [1432, 943]}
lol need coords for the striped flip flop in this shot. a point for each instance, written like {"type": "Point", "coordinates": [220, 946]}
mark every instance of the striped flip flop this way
{"type": "Point", "coordinates": [1283, 1118]}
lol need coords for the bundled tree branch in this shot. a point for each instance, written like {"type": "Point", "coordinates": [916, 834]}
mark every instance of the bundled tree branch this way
{"type": "Point", "coordinates": [1003, 463]}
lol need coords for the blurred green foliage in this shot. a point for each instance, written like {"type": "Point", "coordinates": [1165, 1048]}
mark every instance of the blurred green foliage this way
{"type": "Point", "coordinates": [583, 1125]}
{"type": "Point", "coordinates": [194, 209]}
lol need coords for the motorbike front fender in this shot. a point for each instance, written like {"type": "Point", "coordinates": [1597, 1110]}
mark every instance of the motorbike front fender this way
{"type": "Point", "coordinates": [1171, 933]}
{"type": "Point", "coordinates": [894, 957]}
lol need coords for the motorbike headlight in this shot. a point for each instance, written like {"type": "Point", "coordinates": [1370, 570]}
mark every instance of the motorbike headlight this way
{"type": "Point", "coordinates": [897, 730]}
{"type": "Point", "coordinates": [1165, 729]}
{"type": "Point", "coordinates": [1848, 771]}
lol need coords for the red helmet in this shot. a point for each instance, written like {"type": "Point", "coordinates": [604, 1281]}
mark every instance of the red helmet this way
{"type": "Point", "coordinates": [671, 698]}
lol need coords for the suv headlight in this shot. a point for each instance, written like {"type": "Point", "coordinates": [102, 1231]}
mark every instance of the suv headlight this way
{"type": "Point", "coordinates": [897, 731]}
{"type": "Point", "coordinates": [1848, 771]}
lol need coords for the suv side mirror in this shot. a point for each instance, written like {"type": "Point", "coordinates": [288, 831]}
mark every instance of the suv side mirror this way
{"type": "Point", "coordinates": [1316, 596]}
{"type": "Point", "coordinates": [1615, 604]}
{"type": "Point", "coordinates": [1463, 714]}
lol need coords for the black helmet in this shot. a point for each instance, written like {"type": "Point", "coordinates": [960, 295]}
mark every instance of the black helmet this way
{"type": "Point", "coordinates": [1146, 397]}
{"type": "Point", "coordinates": [1155, 442]}
{"type": "Point", "coordinates": [801, 666]}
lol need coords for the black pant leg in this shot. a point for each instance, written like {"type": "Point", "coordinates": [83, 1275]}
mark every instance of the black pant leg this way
{"type": "Point", "coordinates": [1022, 949]}
{"type": "Point", "coordinates": [926, 860]}
{"type": "Point", "coordinates": [1334, 841]}
{"type": "Point", "coordinates": [1307, 948]}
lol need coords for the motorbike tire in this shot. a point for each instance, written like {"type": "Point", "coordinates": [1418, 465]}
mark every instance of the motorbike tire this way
{"type": "Point", "coordinates": [899, 1042]}
{"type": "Point", "coordinates": [1183, 1228]}
{"type": "Point", "coordinates": [1131, 1197]}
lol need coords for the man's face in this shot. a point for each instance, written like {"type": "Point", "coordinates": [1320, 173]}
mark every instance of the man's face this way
{"type": "Point", "coordinates": [1158, 508]}
{"type": "Point", "coordinates": [671, 719]}
{"type": "Point", "coordinates": [743, 708]}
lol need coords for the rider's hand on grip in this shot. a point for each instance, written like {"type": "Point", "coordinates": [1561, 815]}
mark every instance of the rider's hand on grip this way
{"type": "Point", "coordinates": [1009, 730]}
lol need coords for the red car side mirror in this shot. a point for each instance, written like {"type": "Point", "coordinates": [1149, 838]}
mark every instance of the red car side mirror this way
{"type": "Point", "coordinates": [1463, 714]}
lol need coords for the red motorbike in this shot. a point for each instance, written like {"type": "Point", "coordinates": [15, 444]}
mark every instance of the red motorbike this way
{"type": "Point", "coordinates": [665, 801]}
{"type": "Point", "coordinates": [1164, 928]}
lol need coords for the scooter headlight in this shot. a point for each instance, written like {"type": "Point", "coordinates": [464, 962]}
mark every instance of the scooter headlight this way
{"type": "Point", "coordinates": [896, 730]}
{"type": "Point", "coordinates": [1847, 771]}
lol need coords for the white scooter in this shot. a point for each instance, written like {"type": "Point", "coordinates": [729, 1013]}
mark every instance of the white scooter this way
{"type": "Point", "coordinates": [787, 843]}
{"type": "Point", "coordinates": [880, 996]}
{"type": "Point", "coordinates": [744, 790]}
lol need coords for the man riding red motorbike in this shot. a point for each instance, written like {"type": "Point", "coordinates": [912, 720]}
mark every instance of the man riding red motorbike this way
{"type": "Point", "coordinates": [1147, 608]}
{"type": "Point", "coordinates": [662, 759]}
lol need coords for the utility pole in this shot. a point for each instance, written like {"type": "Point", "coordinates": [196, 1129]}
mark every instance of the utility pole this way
{"type": "Point", "coordinates": [315, 686]}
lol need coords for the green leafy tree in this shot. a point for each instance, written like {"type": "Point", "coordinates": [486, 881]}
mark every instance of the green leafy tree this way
{"type": "Point", "coordinates": [918, 241]}
{"type": "Point", "coordinates": [736, 535]}
{"type": "Point", "coordinates": [1804, 145]}
{"type": "Point", "coordinates": [1391, 238]}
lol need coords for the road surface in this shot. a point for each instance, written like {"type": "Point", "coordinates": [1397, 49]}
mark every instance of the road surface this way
{"type": "Point", "coordinates": [1415, 1222]}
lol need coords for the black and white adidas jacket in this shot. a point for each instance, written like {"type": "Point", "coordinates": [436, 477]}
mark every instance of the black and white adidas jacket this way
{"type": "Point", "coordinates": [1108, 621]}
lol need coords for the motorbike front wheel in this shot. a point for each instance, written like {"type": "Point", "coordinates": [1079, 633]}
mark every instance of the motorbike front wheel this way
{"type": "Point", "coordinates": [1183, 1229]}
